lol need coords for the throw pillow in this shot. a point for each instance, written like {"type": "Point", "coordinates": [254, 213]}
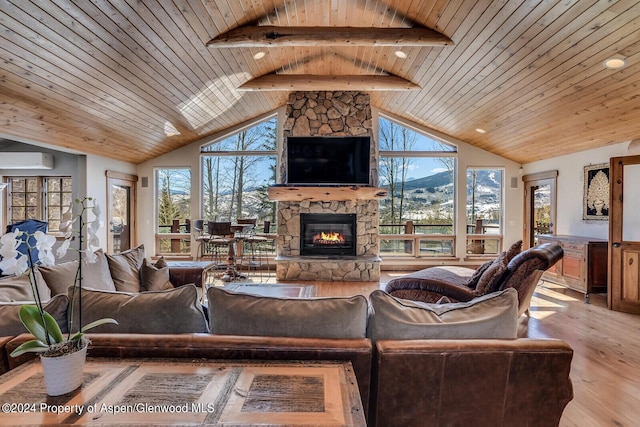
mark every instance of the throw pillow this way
{"type": "Point", "coordinates": [473, 280]}
{"type": "Point", "coordinates": [489, 316]}
{"type": "Point", "coordinates": [96, 275]}
{"type": "Point", "coordinates": [125, 269]}
{"type": "Point", "coordinates": [175, 311]}
{"type": "Point", "coordinates": [154, 277]}
{"type": "Point", "coordinates": [514, 250]}
{"type": "Point", "coordinates": [18, 288]}
{"type": "Point", "coordinates": [233, 313]}
{"type": "Point", "coordinates": [10, 324]}
{"type": "Point", "coordinates": [490, 279]}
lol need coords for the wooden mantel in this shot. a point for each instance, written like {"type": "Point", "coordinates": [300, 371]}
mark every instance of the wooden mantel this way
{"type": "Point", "coordinates": [325, 194]}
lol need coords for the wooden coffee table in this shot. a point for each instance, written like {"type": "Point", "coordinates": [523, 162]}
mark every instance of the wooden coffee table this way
{"type": "Point", "coordinates": [178, 391]}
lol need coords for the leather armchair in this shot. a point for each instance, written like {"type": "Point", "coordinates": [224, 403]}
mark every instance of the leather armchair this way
{"type": "Point", "coordinates": [522, 273]}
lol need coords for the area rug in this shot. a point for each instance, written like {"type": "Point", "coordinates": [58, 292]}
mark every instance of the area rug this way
{"type": "Point", "coordinates": [287, 290]}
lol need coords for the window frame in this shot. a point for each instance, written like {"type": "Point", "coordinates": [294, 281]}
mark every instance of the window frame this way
{"type": "Point", "coordinates": [43, 210]}
{"type": "Point", "coordinates": [263, 153]}
{"type": "Point", "coordinates": [413, 240]}
{"type": "Point", "coordinates": [179, 239]}
{"type": "Point", "coordinates": [483, 238]}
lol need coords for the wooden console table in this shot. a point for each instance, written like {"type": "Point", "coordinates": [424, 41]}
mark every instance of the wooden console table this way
{"type": "Point", "coordinates": [182, 391]}
{"type": "Point", "coordinates": [584, 265]}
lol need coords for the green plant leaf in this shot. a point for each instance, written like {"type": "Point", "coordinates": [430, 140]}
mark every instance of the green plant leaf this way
{"type": "Point", "coordinates": [98, 323]}
{"type": "Point", "coordinates": [33, 346]}
{"type": "Point", "coordinates": [93, 325]}
{"type": "Point", "coordinates": [32, 320]}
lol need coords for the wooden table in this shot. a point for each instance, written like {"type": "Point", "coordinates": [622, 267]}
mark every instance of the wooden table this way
{"type": "Point", "coordinates": [179, 391]}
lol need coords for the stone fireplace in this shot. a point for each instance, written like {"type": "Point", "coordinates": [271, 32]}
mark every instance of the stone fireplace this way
{"type": "Point", "coordinates": [328, 114]}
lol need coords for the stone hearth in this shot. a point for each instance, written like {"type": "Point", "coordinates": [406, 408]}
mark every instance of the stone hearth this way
{"type": "Point", "coordinates": [328, 114]}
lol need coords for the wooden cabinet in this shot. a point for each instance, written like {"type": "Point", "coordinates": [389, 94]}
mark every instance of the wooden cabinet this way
{"type": "Point", "coordinates": [583, 266]}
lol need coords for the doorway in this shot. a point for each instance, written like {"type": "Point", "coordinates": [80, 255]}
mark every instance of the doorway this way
{"type": "Point", "coordinates": [540, 206]}
{"type": "Point", "coordinates": [624, 235]}
{"type": "Point", "coordinates": [121, 193]}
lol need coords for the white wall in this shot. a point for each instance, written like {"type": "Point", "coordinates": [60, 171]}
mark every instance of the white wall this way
{"type": "Point", "coordinates": [95, 185]}
{"type": "Point", "coordinates": [570, 188]}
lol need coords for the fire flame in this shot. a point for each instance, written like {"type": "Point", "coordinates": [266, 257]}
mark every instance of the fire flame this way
{"type": "Point", "coordinates": [332, 237]}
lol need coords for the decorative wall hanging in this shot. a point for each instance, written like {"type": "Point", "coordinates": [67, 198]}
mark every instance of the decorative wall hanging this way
{"type": "Point", "coordinates": [596, 192]}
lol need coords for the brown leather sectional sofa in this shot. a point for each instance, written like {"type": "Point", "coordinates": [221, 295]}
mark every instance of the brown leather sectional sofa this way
{"type": "Point", "coordinates": [492, 382]}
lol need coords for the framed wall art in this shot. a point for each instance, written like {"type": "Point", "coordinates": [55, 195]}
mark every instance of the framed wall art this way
{"type": "Point", "coordinates": [596, 192]}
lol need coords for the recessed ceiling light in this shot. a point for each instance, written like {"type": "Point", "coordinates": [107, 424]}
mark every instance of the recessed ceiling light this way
{"type": "Point", "coordinates": [400, 54]}
{"type": "Point", "coordinates": [259, 55]}
{"type": "Point", "coordinates": [614, 63]}
{"type": "Point", "coordinates": [480, 130]}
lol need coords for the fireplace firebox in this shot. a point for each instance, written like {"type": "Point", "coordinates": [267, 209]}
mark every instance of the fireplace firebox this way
{"type": "Point", "coordinates": [327, 234]}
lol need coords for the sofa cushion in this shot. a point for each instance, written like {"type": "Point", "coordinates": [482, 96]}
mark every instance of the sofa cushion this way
{"type": "Point", "coordinates": [125, 269]}
{"type": "Point", "coordinates": [473, 280]}
{"type": "Point", "coordinates": [514, 250]}
{"type": "Point", "coordinates": [18, 288]}
{"type": "Point", "coordinates": [490, 279]}
{"type": "Point", "coordinates": [96, 275]}
{"type": "Point", "coordinates": [233, 313]}
{"type": "Point", "coordinates": [10, 324]}
{"type": "Point", "coordinates": [154, 277]}
{"type": "Point", "coordinates": [489, 316]}
{"type": "Point", "coordinates": [174, 311]}
{"type": "Point", "coordinates": [489, 283]}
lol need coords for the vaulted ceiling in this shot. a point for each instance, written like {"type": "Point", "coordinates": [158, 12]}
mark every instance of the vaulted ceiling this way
{"type": "Point", "coordinates": [132, 79]}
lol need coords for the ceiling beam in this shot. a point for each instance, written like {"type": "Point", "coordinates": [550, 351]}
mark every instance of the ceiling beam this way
{"type": "Point", "coordinates": [304, 82]}
{"type": "Point", "coordinates": [265, 36]}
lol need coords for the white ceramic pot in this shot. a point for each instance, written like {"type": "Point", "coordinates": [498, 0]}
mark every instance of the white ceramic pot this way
{"type": "Point", "coordinates": [63, 374]}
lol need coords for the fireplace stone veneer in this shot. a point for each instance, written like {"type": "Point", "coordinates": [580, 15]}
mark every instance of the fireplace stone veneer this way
{"type": "Point", "coordinates": [326, 113]}
{"type": "Point", "coordinates": [364, 266]}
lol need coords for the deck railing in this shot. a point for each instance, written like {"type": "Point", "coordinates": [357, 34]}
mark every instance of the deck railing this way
{"type": "Point", "coordinates": [410, 239]}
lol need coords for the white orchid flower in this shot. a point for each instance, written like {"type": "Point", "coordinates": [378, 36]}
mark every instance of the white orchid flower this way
{"type": "Point", "coordinates": [44, 245]}
{"type": "Point", "coordinates": [9, 244]}
{"type": "Point", "coordinates": [90, 255]}
{"type": "Point", "coordinates": [63, 248]}
{"type": "Point", "coordinates": [12, 261]}
{"type": "Point", "coordinates": [96, 210]}
{"type": "Point", "coordinates": [17, 266]}
{"type": "Point", "coordinates": [9, 251]}
{"type": "Point", "coordinates": [92, 238]}
{"type": "Point", "coordinates": [44, 241]}
{"type": "Point", "coordinates": [66, 224]}
{"type": "Point", "coordinates": [93, 226]}
{"type": "Point", "coordinates": [47, 258]}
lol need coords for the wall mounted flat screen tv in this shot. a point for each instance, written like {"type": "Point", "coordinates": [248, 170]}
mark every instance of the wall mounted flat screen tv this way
{"type": "Point", "coordinates": [328, 160]}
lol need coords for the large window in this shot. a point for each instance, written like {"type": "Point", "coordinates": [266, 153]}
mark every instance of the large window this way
{"type": "Point", "coordinates": [236, 173]}
{"type": "Point", "coordinates": [417, 217]}
{"type": "Point", "coordinates": [484, 211]}
{"type": "Point", "coordinates": [173, 191]}
{"type": "Point", "coordinates": [38, 197]}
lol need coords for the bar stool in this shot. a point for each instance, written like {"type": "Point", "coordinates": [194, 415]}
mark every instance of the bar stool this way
{"type": "Point", "coordinates": [219, 240]}
{"type": "Point", "coordinates": [253, 254]}
{"type": "Point", "coordinates": [197, 230]}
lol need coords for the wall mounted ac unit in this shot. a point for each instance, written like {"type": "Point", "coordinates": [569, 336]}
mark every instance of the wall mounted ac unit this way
{"type": "Point", "coordinates": [10, 160]}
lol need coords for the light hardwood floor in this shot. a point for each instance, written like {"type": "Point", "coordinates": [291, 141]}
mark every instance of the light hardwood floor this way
{"type": "Point", "coordinates": [605, 370]}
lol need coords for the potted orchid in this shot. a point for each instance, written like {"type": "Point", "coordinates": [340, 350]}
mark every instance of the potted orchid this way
{"type": "Point", "coordinates": [55, 348]}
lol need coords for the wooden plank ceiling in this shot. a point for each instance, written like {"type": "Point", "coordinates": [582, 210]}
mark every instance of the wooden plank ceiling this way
{"type": "Point", "coordinates": [135, 79]}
